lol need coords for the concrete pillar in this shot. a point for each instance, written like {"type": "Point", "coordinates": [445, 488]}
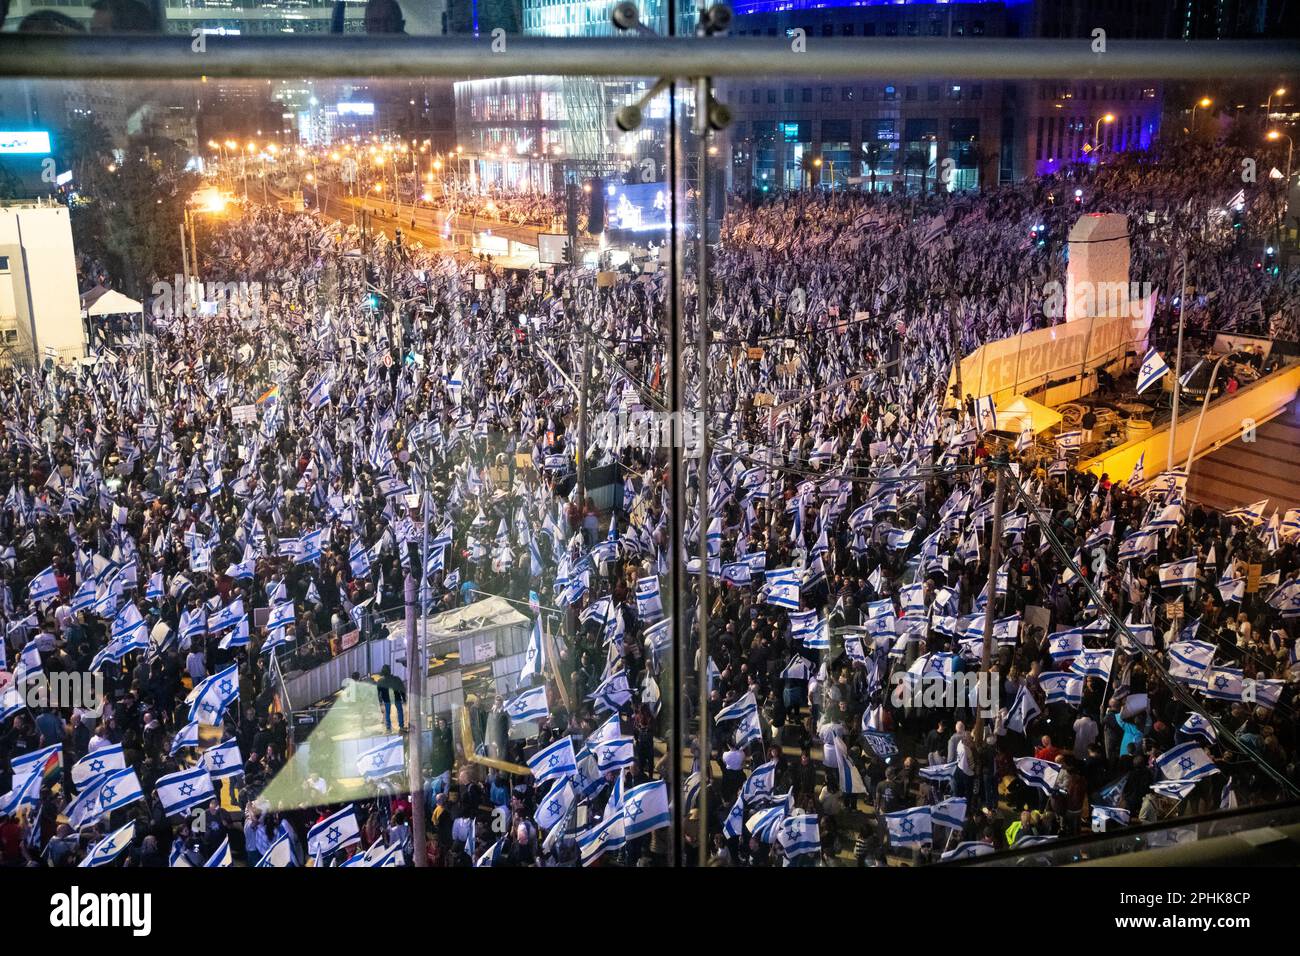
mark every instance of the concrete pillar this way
{"type": "Point", "coordinates": [1097, 277]}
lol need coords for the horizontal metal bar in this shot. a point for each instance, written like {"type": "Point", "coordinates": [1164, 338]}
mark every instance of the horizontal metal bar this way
{"type": "Point", "coordinates": [135, 56]}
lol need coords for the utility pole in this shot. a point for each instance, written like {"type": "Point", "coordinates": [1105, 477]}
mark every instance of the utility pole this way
{"type": "Point", "coordinates": [582, 418]}
{"type": "Point", "coordinates": [415, 770]}
{"type": "Point", "coordinates": [999, 461]}
{"type": "Point", "coordinates": [1178, 365]}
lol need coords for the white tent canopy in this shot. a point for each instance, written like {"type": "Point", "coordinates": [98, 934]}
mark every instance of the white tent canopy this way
{"type": "Point", "coordinates": [100, 301]}
{"type": "Point", "coordinates": [1024, 413]}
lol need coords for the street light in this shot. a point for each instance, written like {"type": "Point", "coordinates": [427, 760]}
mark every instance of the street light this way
{"type": "Point", "coordinates": [1273, 136]}
{"type": "Point", "coordinates": [1280, 91]}
{"type": "Point", "coordinates": [1203, 102]}
{"type": "Point", "coordinates": [1096, 128]}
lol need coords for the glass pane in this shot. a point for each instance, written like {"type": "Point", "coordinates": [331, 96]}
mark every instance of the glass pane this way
{"type": "Point", "coordinates": [493, 20]}
{"type": "Point", "coordinates": [323, 359]}
{"type": "Point", "coordinates": [908, 281]}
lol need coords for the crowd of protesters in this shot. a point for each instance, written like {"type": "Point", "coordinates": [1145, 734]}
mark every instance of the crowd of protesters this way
{"type": "Point", "coordinates": [837, 482]}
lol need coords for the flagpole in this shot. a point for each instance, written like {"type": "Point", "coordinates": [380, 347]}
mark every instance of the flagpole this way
{"type": "Point", "coordinates": [995, 557]}
{"type": "Point", "coordinates": [1178, 364]}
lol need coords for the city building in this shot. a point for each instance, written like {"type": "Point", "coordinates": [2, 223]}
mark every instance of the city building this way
{"type": "Point", "coordinates": [40, 313]}
{"type": "Point", "coordinates": [945, 132]}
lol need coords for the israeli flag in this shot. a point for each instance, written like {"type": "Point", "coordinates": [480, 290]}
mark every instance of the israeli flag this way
{"type": "Point", "coordinates": [228, 616]}
{"type": "Point", "coordinates": [529, 705]}
{"type": "Point", "coordinates": [119, 789]}
{"type": "Point", "coordinates": [764, 823]}
{"type": "Point", "coordinates": [645, 809]}
{"type": "Point", "coordinates": [1102, 817]}
{"type": "Point", "coordinates": [280, 616]}
{"type": "Point", "coordinates": [649, 605]}
{"type": "Point", "coordinates": [1178, 574]}
{"type": "Point", "coordinates": [381, 761]}
{"type": "Point", "coordinates": [97, 762]}
{"type": "Point", "coordinates": [913, 827]}
{"type": "Point", "coordinates": [1189, 662]}
{"type": "Point", "coordinates": [1023, 710]}
{"type": "Point", "coordinates": [760, 783]}
{"type": "Point", "coordinates": [179, 792]}
{"type": "Point", "coordinates": [734, 824]}
{"type": "Point", "coordinates": [1092, 663]}
{"type": "Point", "coordinates": [84, 810]}
{"type": "Point", "coordinates": [554, 761]}
{"type": "Point", "coordinates": [223, 760]}
{"type": "Point", "coordinates": [43, 587]}
{"type": "Point", "coordinates": [1187, 761]}
{"type": "Point", "coordinates": [1251, 514]}
{"type": "Point", "coordinates": [1152, 370]}
{"type": "Point", "coordinates": [535, 655]}
{"type": "Point", "coordinates": [11, 701]}
{"type": "Point", "coordinates": [1061, 687]}
{"type": "Point", "coordinates": [838, 756]}
{"type": "Point", "coordinates": [222, 857]}
{"type": "Point", "coordinates": [1174, 789]}
{"type": "Point", "coordinates": [557, 803]}
{"type": "Point", "coordinates": [1070, 441]}
{"type": "Point", "coordinates": [1197, 726]}
{"type": "Point", "coordinates": [335, 832]}
{"type": "Point", "coordinates": [614, 754]}
{"type": "Point", "coordinates": [1037, 773]}
{"type": "Point", "coordinates": [967, 850]}
{"type": "Point", "coordinates": [320, 392]}
{"type": "Point", "coordinates": [803, 625]}
{"type": "Point", "coordinates": [1224, 683]}
{"type": "Point", "coordinates": [187, 736]}
{"type": "Point", "coordinates": [208, 701]}
{"type": "Point", "coordinates": [1063, 645]}
{"type": "Point", "coordinates": [608, 834]}
{"type": "Point", "coordinates": [26, 792]}
{"type": "Point", "coordinates": [193, 624]}
{"type": "Point", "coordinates": [798, 835]}
{"type": "Point", "coordinates": [738, 708]}
{"type": "Point", "coordinates": [278, 854]}
{"type": "Point", "coordinates": [950, 813]}
{"type": "Point", "coordinates": [110, 848]}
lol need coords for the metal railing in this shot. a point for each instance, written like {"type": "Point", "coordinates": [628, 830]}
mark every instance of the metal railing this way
{"type": "Point", "coordinates": [135, 56]}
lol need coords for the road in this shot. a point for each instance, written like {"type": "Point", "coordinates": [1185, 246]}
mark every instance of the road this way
{"type": "Point", "coordinates": [424, 225]}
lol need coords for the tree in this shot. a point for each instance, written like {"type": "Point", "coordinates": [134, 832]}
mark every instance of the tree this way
{"type": "Point", "coordinates": [808, 165]}
{"type": "Point", "coordinates": [917, 159]}
{"type": "Point", "coordinates": [871, 152]}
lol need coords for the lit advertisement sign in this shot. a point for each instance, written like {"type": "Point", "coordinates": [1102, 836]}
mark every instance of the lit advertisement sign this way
{"type": "Point", "coordinates": [356, 109]}
{"type": "Point", "coordinates": [639, 207]}
{"type": "Point", "coordinates": [24, 141]}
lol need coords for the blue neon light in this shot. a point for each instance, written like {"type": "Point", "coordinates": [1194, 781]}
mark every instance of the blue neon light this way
{"type": "Point", "coordinates": [783, 6]}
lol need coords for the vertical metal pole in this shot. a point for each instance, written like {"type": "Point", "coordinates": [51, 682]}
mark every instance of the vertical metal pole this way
{"type": "Point", "coordinates": [415, 700]}
{"type": "Point", "coordinates": [582, 418]}
{"type": "Point", "coordinates": [185, 269]}
{"type": "Point", "coordinates": [995, 559]}
{"type": "Point", "coordinates": [702, 470]}
{"type": "Point", "coordinates": [1178, 364]}
{"type": "Point", "coordinates": [677, 468]}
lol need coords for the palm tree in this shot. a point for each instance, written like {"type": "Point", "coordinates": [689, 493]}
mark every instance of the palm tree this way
{"type": "Point", "coordinates": [809, 166]}
{"type": "Point", "coordinates": [871, 152]}
{"type": "Point", "coordinates": [918, 159]}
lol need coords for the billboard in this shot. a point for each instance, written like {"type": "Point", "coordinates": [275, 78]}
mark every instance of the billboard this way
{"type": "Point", "coordinates": [29, 141]}
{"type": "Point", "coordinates": [637, 207]}
{"type": "Point", "coordinates": [551, 248]}
{"type": "Point", "coordinates": [356, 109]}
